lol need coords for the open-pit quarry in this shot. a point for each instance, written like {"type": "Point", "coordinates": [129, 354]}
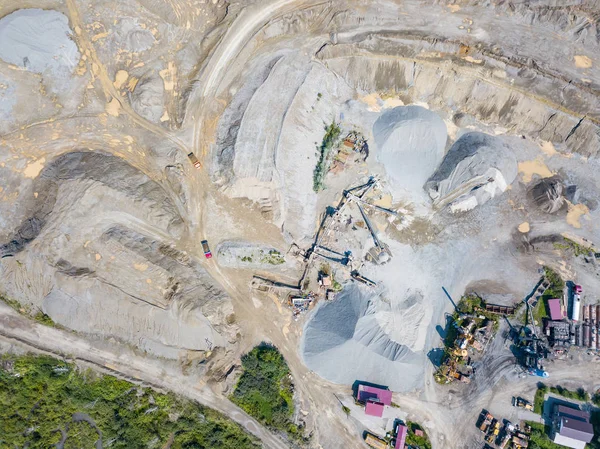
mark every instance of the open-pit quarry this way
{"type": "Point", "coordinates": [356, 158]}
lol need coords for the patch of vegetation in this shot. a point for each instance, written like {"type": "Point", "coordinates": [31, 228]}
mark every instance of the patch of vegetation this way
{"type": "Point", "coordinates": [247, 259]}
{"type": "Point", "coordinates": [40, 394]}
{"type": "Point", "coordinates": [595, 420]}
{"type": "Point", "coordinates": [557, 285]}
{"type": "Point", "coordinates": [539, 438]}
{"type": "Point", "coordinates": [346, 410]}
{"type": "Point", "coordinates": [538, 400]}
{"type": "Point", "coordinates": [14, 304]}
{"type": "Point", "coordinates": [332, 134]}
{"type": "Point", "coordinates": [578, 249]}
{"type": "Point", "coordinates": [273, 257]}
{"type": "Point", "coordinates": [596, 398]}
{"type": "Point", "coordinates": [469, 304]}
{"type": "Point", "coordinates": [265, 389]}
{"type": "Point", "coordinates": [541, 311]}
{"type": "Point", "coordinates": [580, 394]}
{"type": "Point", "coordinates": [39, 316]}
{"type": "Point", "coordinates": [414, 440]}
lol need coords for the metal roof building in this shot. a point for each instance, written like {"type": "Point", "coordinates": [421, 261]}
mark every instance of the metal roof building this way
{"type": "Point", "coordinates": [366, 392]}
{"type": "Point", "coordinates": [572, 427]}
{"type": "Point", "coordinates": [556, 313]}
{"type": "Point", "coordinates": [401, 432]}
{"type": "Point", "coordinates": [374, 408]}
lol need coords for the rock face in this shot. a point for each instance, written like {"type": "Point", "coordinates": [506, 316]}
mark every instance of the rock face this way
{"type": "Point", "coordinates": [477, 167]}
{"type": "Point", "coordinates": [411, 142]}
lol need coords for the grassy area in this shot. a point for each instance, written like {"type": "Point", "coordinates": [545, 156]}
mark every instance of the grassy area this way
{"type": "Point", "coordinates": [539, 438]}
{"type": "Point", "coordinates": [265, 390]}
{"type": "Point", "coordinates": [578, 250]}
{"type": "Point", "coordinates": [557, 285]}
{"type": "Point", "coordinates": [414, 440]}
{"type": "Point", "coordinates": [40, 394]}
{"type": "Point", "coordinates": [38, 316]}
{"type": "Point", "coordinates": [538, 400]}
{"type": "Point", "coordinates": [580, 394]}
{"type": "Point", "coordinates": [332, 134]}
{"type": "Point", "coordinates": [541, 311]}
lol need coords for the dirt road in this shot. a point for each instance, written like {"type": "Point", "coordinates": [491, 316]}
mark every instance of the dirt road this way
{"type": "Point", "coordinates": [15, 328]}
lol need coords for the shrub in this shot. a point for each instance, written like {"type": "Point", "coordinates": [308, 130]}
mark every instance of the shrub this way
{"type": "Point", "coordinates": [332, 133]}
{"type": "Point", "coordinates": [40, 394]}
{"type": "Point", "coordinates": [265, 390]}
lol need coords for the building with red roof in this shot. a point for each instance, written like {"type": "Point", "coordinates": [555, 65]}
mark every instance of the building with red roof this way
{"type": "Point", "coordinates": [366, 392]}
{"type": "Point", "coordinates": [374, 408]}
{"type": "Point", "coordinates": [556, 312]}
{"type": "Point", "coordinates": [401, 432]}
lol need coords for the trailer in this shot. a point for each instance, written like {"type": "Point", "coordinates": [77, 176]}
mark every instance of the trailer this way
{"type": "Point", "coordinates": [586, 313]}
{"type": "Point", "coordinates": [592, 315]}
{"type": "Point", "coordinates": [375, 442]}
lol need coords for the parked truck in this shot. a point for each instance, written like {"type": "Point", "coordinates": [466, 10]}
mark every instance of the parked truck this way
{"type": "Point", "coordinates": [521, 403]}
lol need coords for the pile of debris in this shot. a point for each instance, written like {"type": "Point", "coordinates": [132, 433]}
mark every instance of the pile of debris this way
{"type": "Point", "coordinates": [354, 149]}
{"type": "Point", "coordinates": [301, 303]}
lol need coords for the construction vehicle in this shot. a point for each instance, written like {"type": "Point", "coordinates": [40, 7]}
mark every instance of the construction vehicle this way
{"type": "Point", "coordinates": [504, 442]}
{"type": "Point", "coordinates": [519, 442]}
{"type": "Point", "coordinates": [195, 160]}
{"type": "Point", "coordinates": [487, 420]}
{"type": "Point", "coordinates": [521, 403]}
{"type": "Point", "coordinates": [375, 442]}
{"type": "Point", "coordinates": [496, 430]}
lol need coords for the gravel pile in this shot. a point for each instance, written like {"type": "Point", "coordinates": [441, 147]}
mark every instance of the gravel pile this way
{"type": "Point", "coordinates": [361, 336]}
{"type": "Point", "coordinates": [411, 142]}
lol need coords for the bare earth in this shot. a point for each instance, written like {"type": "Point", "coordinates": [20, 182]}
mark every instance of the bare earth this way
{"type": "Point", "coordinates": [465, 107]}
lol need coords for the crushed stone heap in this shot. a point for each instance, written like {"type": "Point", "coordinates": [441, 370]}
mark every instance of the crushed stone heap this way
{"type": "Point", "coordinates": [477, 167]}
{"type": "Point", "coordinates": [411, 142]}
{"type": "Point", "coordinates": [362, 336]}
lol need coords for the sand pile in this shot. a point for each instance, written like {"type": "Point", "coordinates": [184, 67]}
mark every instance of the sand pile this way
{"type": "Point", "coordinates": [411, 142]}
{"type": "Point", "coordinates": [361, 336]}
{"type": "Point", "coordinates": [38, 40]}
{"type": "Point", "coordinates": [477, 167]}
